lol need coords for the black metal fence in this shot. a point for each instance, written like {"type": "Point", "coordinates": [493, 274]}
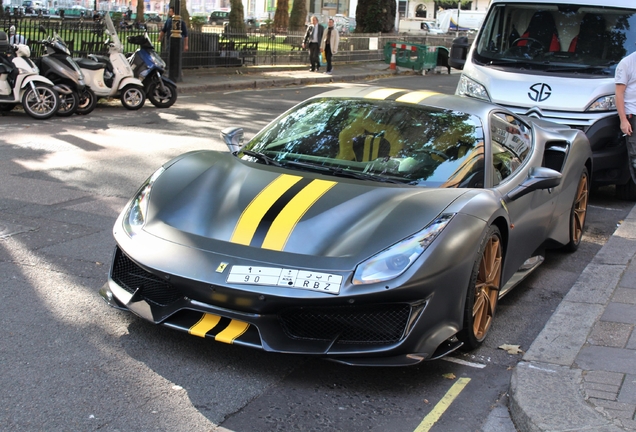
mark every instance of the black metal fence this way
{"type": "Point", "coordinates": [210, 46]}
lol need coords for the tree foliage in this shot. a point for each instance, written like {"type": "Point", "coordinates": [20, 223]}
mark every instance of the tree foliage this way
{"type": "Point", "coordinates": [298, 15]}
{"type": "Point", "coordinates": [452, 4]}
{"type": "Point", "coordinates": [375, 16]}
{"type": "Point", "coordinates": [281, 17]}
{"type": "Point", "coordinates": [237, 16]}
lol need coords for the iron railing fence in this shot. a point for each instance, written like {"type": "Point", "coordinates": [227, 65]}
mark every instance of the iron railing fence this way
{"type": "Point", "coordinates": [211, 46]}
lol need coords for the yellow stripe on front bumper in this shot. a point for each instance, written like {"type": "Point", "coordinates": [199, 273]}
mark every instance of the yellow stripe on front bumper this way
{"type": "Point", "coordinates": [232, 331]}
{"type": "Point", "coordinates": [254, 212]}
{"type": "Point", "coordinates": [286, 221]}
{"type": "Point", "coordinates": [416, 96]}
{"type": "Point", "coordinates": [204, 325]}
{"type": "Point", "coordinates": [382, 94]}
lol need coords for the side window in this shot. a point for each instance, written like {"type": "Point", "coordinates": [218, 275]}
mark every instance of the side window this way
{"type": "Point", "coordinates": [511, 142]}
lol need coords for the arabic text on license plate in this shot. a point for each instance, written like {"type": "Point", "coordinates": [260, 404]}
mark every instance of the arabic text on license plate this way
{"type": "Point", "coordinates": [324, 282]}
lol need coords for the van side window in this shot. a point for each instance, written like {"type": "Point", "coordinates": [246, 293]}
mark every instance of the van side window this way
{"type": "Point", "coordinates": [511, 142]}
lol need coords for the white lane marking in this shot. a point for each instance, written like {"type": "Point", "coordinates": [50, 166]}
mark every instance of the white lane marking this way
{"type": "Point", "coordinates": [464, 362]}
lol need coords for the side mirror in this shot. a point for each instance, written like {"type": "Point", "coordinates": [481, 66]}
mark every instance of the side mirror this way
{"type": "Point", "coordinates": [458, 52]}
{"type": "Point", "coordinates": [540, 178]}
{"type": "Point", "coordinates": [233, 137]}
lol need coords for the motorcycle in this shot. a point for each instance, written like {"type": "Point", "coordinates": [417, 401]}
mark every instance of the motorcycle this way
{"type": "Point", "coordinates": [111, 76]}
{"type": "Point", "coordinates": [58, 66]}
{"type": "Point", "coordinates": [20, 82]}
{"type": "Point", "coordinates": [149, 67]}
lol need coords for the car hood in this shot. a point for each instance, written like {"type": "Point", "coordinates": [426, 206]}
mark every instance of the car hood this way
{"type": "Point", "coordinates": [217, 197]}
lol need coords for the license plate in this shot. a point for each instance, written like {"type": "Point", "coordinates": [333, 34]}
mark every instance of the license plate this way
{"type": "Point", "coordinates": [274, 276]}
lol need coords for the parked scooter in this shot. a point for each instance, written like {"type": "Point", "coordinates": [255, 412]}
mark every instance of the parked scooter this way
{"type": "Point", "coordinates": [149, 67]}
{"type": "Point", "coordinates": [20, 82]}
{"type": "Point", "coordinates": [111, 76]}
{"type": "Point", "coordinates": [58, 66]}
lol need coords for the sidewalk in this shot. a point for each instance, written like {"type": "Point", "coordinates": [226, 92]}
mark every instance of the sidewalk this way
{"type": "Point", "coordinates": [220, 79]}
{"type": "Point", "coordinates": [580, 372]}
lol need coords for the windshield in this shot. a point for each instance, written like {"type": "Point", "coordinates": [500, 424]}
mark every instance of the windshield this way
{"type": "Point", "coordinates": [376, 140]}
{"type": "Point", "coordinates": [557, 38]}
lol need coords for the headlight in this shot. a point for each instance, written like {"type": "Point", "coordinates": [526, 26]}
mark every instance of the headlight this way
{"type": "Point", "coordinates": [605, 103]}
{"type": "Point", "coordinates": [394, 261]}
{"type": "Point", "coordinates": [468, 87]}
{"type": "Point", "coordinates": [135, 217]}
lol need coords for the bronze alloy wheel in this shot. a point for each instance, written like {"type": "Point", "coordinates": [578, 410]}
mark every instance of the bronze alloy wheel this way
{"type": "Point", "coordinates": [578, 212]}
{"type": "Point", "coordinates": [580, 209]}
{"type": "Point", "coordinates": [487, 288]}
{"type": "Point", "coordinates": [483, 291]}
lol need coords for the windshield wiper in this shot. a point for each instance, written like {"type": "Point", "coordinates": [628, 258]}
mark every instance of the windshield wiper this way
{"type": "Point", "coordinates": [261, 157]}
{"type": "Point", "coordinates": [342, 172]}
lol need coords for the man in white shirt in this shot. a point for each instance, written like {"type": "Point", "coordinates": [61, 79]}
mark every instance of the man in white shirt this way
{"type": "Point", "coordinates": [14, 38]}
{"type": "Point", "coordinates": [625, 79]}
{"type": "Point", "coordinates": [313, 37]}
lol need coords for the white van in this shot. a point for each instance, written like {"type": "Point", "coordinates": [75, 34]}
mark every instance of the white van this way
{"type": "Point", "coordinates": [556, 60]}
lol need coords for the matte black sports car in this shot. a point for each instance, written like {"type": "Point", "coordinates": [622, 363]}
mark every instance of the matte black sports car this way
{"type": "Point", "coordinates": [370, 226]}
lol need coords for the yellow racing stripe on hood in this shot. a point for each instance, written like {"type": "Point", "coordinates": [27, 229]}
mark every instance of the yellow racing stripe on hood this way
{"type": "Point", "coordinates": [232, 331]}
{"type": "Point", "coordinates": [204, 325]}
{"type": "Point", "coordinates": [416, 96]}
{"type": "Point", "coordinates": [287, 219]}
{"type": "Point", "coordinates": [382, 94]}
{"type": "Point", "coordinates": [254, 212]}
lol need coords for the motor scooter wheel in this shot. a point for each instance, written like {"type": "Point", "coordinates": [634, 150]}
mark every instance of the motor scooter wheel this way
{"type": "Point", "coordinates": [68, 104]}
{"type": "Point", "coordinates": [159, 97]}
{"type": "Point", "coordinates": [41, 103]}
{"type": "Point", "coordinates": [133, 97]}
{"type": "Point", "coordinates": [87, 102]}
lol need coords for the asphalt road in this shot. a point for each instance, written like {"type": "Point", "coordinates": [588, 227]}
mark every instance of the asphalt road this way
{"type": "Point", "coordinates": [69, 362]}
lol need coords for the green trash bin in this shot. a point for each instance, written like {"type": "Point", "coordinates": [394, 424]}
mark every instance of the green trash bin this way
{"type": "Point", "coordinates": [416, 56]}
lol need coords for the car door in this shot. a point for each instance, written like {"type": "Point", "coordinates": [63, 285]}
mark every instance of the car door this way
{"type": "Point", "coordinates": [513, 155]}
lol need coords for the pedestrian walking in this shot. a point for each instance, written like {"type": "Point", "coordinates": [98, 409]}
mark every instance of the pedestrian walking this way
{"type": "Point", "coordinates": [625, 79]}
{"type": "Point", "coordinates": [167, 30]}
{"type": "Point", "coordinates": [312, 40]}
{"type": "Point", "coordinates": [329, 44]}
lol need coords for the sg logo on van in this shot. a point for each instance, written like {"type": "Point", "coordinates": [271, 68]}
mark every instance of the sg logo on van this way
{"type": "Point", "coordinates": [539, 92]}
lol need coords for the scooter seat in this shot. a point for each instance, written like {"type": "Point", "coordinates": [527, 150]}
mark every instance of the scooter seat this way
{"type": "Point", "coordinates": [89, 64]}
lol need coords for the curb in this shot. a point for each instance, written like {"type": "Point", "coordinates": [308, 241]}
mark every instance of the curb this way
{"type": "Point", "coordinates": [546, 388]}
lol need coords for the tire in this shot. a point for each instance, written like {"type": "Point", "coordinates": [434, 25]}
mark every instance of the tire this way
{"type": "Point", "coordinates": [579, 212]}
{"type": "Point", "coordinates": [68, 104]}
{"type": "Point", "coordinates": [483, 291]}
{"type": "Point", "coordinates": [48, 104]}
{"type": "Point", "coordinates": [626, 191]}
{"type": "Point", "coordinates": [132, 97]}
{"type": "Point", "coordinates": [87, 102]}
{"type": "Point", "coordinates": [159, 98]}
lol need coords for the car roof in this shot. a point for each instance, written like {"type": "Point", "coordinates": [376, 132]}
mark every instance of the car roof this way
{"type": "Point", "coordinates": [416, 97]}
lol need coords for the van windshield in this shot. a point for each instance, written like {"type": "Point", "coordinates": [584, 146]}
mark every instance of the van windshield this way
{"type": "Point", "coordinates": [557, 37]}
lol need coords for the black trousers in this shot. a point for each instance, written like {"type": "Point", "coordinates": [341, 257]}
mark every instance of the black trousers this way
{"type": "Point", "coordinates": [630, 143]}
{"type": "Point", "coordinates": [328, 56]}
{"type": "Point", "coordinates": [314, 55]}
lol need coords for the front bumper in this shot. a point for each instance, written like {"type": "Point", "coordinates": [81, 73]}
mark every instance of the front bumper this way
{"type": "Point", "coordinates": [365, 331]}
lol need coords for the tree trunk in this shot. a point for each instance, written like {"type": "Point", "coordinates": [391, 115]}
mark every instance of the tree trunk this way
{"type": "Point", "coordinates": [281, 17]}
{"type": "Point", "coordinates": [298, 15]}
